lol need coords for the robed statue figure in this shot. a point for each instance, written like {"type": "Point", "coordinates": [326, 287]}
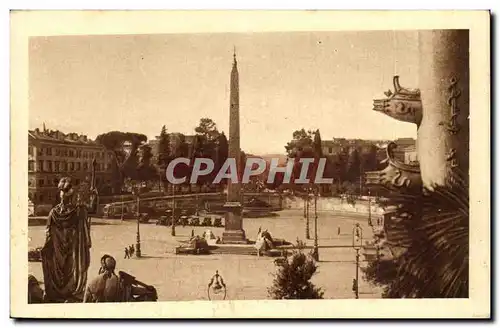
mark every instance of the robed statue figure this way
{"type": "Point", "coordinates": [66, 253]}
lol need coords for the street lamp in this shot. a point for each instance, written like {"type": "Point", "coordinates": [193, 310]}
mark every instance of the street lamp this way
{"type": "Point", "coordinates": [173, 210]}
{"type": "Point", "coordinates": [315, 253]}
{"type": "Point", "coordinates": [357, 243]}
{"type": "Point", "coordinates": [122, 207]}
{"type": "Point", "coordinates": [307, 216]}
{"type": "Point", "coordinates": [138, 239]}
{"type": "Point", "coordinates": [369, 209]}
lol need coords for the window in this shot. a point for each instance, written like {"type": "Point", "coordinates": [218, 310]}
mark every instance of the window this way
{"type": "Point", "coordinates": [40, 182]}
{"type": "Point", "coordinates": [85, 166]}
{"type": "Point", "coordinates": [49, 166]}
{"type": "Point", "coordinates": [78, 168]}
{"type": "Point", "coordinates": [31, 165]}
{"type": "Point", "coordinates": [49, 196]}
{"type": "Point", "coordinates": [330, 150]}
{"type": "Point", "coordinates": [71, 166]}
{"type": "Point", "coordinates": [64, 166]}
{"type": "Point", "coordinates": [56, 166]}
{"type": "Point", "coordinates": [39, 151]}
{"type": "Point", "coordinates": [71, 153]}
{"type": "Point", "coordinates": [41, 198]}
{"type": "Point", "coordinates": [30, 150]}
{"type": "Point", "coordinates": [40, 166]}
{"type": "Point", "coordinates": [49, 151]}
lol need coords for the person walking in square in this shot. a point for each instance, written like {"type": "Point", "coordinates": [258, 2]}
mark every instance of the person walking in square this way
{"type": "Point", "coordinates": [127, 255]}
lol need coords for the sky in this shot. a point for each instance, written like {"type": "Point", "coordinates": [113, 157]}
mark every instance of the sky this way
{"type": "Point", "coordinates": [288, 81]}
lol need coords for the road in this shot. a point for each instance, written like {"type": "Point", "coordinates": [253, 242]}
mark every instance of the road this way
{"type": "Point", "coordinates": [185, 277]}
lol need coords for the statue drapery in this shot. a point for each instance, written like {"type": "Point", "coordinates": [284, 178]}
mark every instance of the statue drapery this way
{"type": "Point", "coordinates": [66, 253]}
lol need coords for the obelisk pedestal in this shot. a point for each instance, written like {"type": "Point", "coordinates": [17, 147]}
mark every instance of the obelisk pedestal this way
{"type": "Point", "coordinates": [233, 231]}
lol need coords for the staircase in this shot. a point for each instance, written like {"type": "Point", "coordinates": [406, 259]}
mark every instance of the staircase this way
{"type": "Point", "coordinates": [234, 249]}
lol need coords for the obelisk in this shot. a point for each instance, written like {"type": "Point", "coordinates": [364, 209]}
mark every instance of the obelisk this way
{"type": "Point", "coordinates": [234, 233]}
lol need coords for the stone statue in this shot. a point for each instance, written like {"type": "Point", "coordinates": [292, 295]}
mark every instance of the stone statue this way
{"type": "Point", "coordinates": [106, 287]}
{"type": "Point", "coordinates": [35, 292]}
{"type": "Point", "coordinates": [264, 242]}
{"type": "Point", "coordinates": [66, 252]}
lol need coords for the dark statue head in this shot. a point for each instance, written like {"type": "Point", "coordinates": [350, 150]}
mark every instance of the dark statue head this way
{"type": "Point", "coordinates": [110, 264]}
{"type": "Point", "coordinates": [66, 190]}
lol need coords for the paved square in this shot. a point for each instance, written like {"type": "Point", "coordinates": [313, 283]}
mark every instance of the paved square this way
{"type": "Point", "coordinates": [186, 277]}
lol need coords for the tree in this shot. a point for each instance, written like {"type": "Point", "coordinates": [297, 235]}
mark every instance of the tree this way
{"type": "Point", "coordinates": [302, 142]}
{"type": "Point", "coordinates": [208, 129]}
{"type": "Point", "coordinates": [125, 163]}
{"type": "Point", "coordinates": [301, 146]}
{"type": "Point", "coordinates": [292, 280]}
{"type": "Point", "coordinates": [220, 155]}
{"type": "Point", "coordinates": [163, 155]}
{"type": "Point", "coordinates": [181, 149]}
{"type": "Point", "coordinates": [435, 234]}
{"type": "Point", "coordinates": [146, 170]}
{"type": "Point", "coordinates": [198, 150]}
{"type": "Point", "coordinates": [368, 158]}
{"type": "Point", "coordinates": [318, 149]}
{"type": "Point", "coordinates": [353, 165]}
{"type": "Point", "coordinates": [163, 148]}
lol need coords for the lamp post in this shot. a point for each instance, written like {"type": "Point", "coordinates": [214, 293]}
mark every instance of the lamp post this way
{"type": "Point", "coordinates": [369, 209]}
{"type": "Point", "coordinates": [307, 216]}
{"type": "Point", "coordinates": [315, 253]}
{"type": "Point", "coordinates": [138, 239]}
{"type": "Point", "coordinates": [122, 207]}
{"type": "Point", "coordinates": [173, 210]}
{"type": "Point", "coordinates": [357, 243]}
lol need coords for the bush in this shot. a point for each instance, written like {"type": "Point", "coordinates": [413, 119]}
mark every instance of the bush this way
{"type": "Point", "coordinates": [292, 281]}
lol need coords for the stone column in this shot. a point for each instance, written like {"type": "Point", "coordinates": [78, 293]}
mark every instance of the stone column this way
{"type": "Point", "coordinates": [443, 135]}
{"type": "Point", "coordinates": [234, 233]}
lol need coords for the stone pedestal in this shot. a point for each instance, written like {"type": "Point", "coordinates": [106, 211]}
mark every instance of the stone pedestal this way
{"type": "Point", "coordinates": [234, 233]}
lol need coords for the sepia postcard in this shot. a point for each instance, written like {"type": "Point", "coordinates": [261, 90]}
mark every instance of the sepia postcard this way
{"type": "Point", "coordinates": [250, 164]}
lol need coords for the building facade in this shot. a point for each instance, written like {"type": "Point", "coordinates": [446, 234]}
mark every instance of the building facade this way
{"type": "Point", "coordinates": [53, 155]}
{"type": "Point", "coordinates": [406, 150]}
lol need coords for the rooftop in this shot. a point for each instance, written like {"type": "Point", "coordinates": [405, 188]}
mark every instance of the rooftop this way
{"type": "Point", "coordinates": [61, 137]}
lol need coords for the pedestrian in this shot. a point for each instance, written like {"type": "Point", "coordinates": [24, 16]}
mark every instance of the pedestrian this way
{"type": "Point", "coordinates": [131, 250]}
{"type": "Point", "coordinates": [127, 255]}
{"type": "Point", "coordinates": [338, 230]}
